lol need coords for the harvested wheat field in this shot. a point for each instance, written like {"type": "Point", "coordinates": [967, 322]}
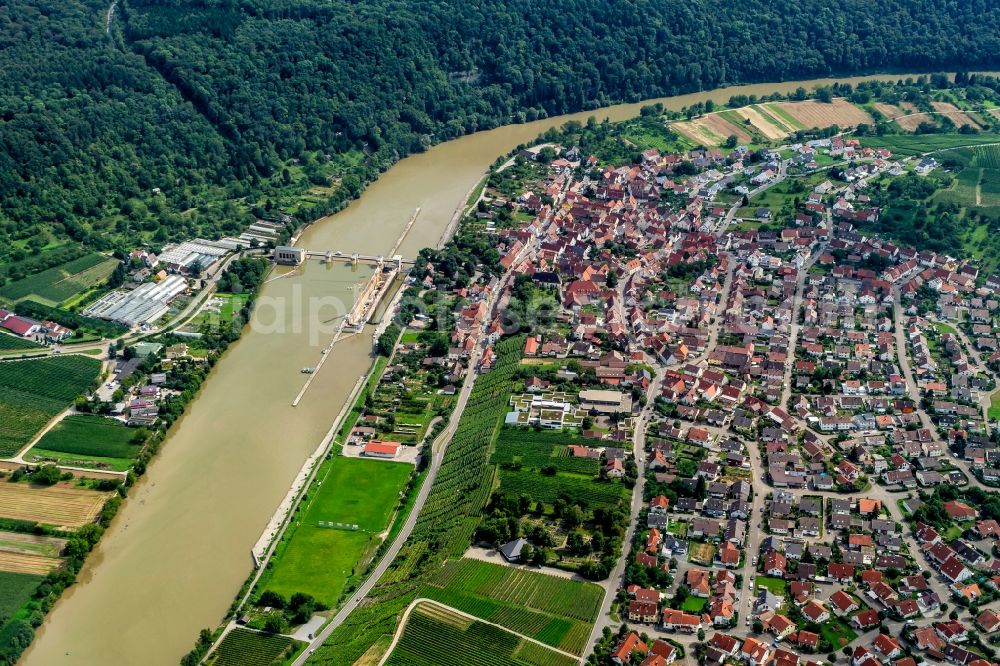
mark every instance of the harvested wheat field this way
{"type": "Point", "coordinates": [765, 125]}
{"type": "Point", "coordinates": [720, 126]}
{"type": "Point", "coordinates": [61, 505]}
{"type": "Point", "coordinates": [696, 134]}
{"type": "Point", "coordinates": [956, 115]}
{"type": "Point", "coordinates": [27, 563]}
{"type": "Point", "coordinates": [821, 114]}
{"type": "Point", "coordinates": [888, 110]}
{"type": "Point", "coordinates": [912, 121]}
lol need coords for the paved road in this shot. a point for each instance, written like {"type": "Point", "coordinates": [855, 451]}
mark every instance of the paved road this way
{"type": "Point", "coordinates": [793, 331]}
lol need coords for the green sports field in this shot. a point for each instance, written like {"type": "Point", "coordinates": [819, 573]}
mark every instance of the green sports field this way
{"type": "Point", "coordinates": [320, 560]}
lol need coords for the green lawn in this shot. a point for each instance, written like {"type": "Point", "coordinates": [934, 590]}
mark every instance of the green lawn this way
{"type": "Point", "coordinates": [320, 560]}
{"type": "Point", "coordinates": [953, 532]}
{"type": "Point", "coordinates": [994, 411]}
{"type": "Point", "coordinates": [694, 604]}
{"type": "Point", "coordinates": [945, 328]}
{"type": "Point", "coordinates": [837, 632]}
{"type": "Point", "coordinates": [92, 441]}
{"type": "Point", "coordinates": [777, 586]}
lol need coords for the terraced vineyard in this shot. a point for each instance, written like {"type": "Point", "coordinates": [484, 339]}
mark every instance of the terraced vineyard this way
{"type": "Point", "coordinates": [435, 636]}
{"type": "Point", "coordinates": [988, 156]}
{"type": "Point", "coordinates": [34, 391]}
{"type": "Point", "coordinates": [241, 647]}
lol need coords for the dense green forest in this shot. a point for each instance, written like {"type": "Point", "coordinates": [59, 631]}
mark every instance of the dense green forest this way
{"type": "Point", "coordinates": [186, 116]}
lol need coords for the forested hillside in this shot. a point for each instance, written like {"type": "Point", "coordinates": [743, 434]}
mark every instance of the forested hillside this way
{"type": "Point", "coordinates": [211, 100]}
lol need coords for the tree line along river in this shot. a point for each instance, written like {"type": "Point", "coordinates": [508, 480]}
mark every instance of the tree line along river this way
{"type": "Point", "coordinates": [179, 549]}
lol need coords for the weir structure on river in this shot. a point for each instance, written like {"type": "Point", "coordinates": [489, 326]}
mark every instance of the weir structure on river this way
{"type": "Point", "coordinates": [367, 300]}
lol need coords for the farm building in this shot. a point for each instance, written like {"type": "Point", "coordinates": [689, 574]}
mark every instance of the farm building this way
{"type": "Point", "coordinates": [381, 449]}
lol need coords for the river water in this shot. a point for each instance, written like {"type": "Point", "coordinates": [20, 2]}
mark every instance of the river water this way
{"type": "Point", "coordinates": [178, 551]}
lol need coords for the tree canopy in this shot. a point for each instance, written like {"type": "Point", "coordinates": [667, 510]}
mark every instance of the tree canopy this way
{"type": "Point", "coordinates": [180, 118]}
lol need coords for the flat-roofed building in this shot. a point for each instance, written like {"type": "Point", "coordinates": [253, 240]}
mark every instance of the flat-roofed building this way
{"type": "Point", "coordinates": [605, 402]}
{"type": "Point", "coordinates": [289, 256]}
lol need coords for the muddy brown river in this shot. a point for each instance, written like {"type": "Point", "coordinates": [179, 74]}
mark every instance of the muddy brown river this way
{"type": "Point", "coordinates": [179, 550]}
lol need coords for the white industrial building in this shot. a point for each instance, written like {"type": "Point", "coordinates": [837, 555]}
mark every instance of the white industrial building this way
{"type": "Point", "coordinates": [142, 305]}
{"type": "Point", "coordinates": [203, 253]}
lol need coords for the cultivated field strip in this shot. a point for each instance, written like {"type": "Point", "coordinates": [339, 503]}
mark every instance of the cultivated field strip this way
{"type": "Point", "coordinates": [528, 589]}
{"type": "Point", "coordinates": [60, 506]}
{"type": "Point", "coordinates": [29, 563]}
{"type": "Point", "coordinates": [435, 636]}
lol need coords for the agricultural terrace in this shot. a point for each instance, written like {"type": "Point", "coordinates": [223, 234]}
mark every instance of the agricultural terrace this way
{"type": "Point", "coordinates": [32, 392]}
{"type": "Point", "coordinates": [435, 636]}
{"type": "Point", "coordinates": [241, 647]}
{"type": "Point", "coordinates": [61, 283]}
{"type": "Point", "coordinates": [63, 506]}
{"type": "Point", "coordinates": [89, 441]}
{"type": "Point", "coordinates": [14, 344]}
{"type": "Point", "coordinates": [555, 611]}
{"type": "Point", "coordinates": [449, 517]}
{"type": "Point", "coordinates": [29, 553]}
{"type": "Point", "coordinates": [318, 558]}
